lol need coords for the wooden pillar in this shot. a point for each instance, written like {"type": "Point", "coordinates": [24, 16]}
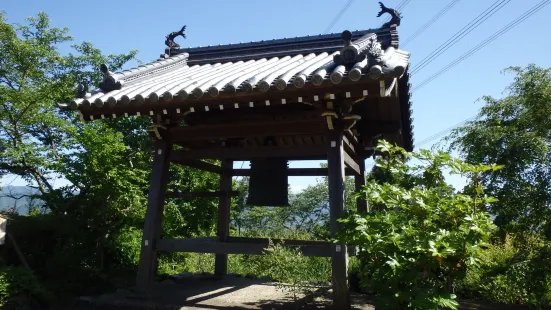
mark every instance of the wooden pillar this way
{"type": "Point", "coordinates": [339, 253]}
{"type": "Point", "coordinates": [359, 181]}
{"type": "Point", "coordinates": [147, 268]}
{"type": "Point", "coordinates": [223, 231]}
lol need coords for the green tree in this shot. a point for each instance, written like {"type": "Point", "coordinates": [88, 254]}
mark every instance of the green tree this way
{"type": "Point", "coordinates": [106, 162]}
{"type": "Point", "coordinates": [514, 132]}
{"type": "Point", "coordinates": [419, 238]}
{"type": "Point", "coordinates": [307, 214]}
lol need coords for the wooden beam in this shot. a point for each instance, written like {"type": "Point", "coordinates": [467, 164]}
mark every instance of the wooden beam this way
{"type": "Point", "coordinates": [147, 267]}
{"type": "Point", "coordinates": [292, 153]}
{"type": "Point", "coordinates": [192, 195]}
{"type": "Point", "coordinates": [249, 129]}
{"type": "Point", "coordinates": [352, 163]}
{"type": "Point", "coordinates": [223, 227]}
{"type": "Point", "coordinates": [339, 254]}
{"type": "Point", "coordinates": [295, 172]}
{"type": "Point", "coordinates": [201, 165]}
{"type": "Point", "coordinates": [359, 183]}
{"type": "Point", "coordinates": [213, 245]}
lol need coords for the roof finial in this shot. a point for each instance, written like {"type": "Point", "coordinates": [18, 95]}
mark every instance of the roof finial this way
{"type": "Point", "coordinates": [110, 82]}
{"type": "Point", "coordinates": [171, 36]}
{"type": "Point", "coordinates": [396, 16]}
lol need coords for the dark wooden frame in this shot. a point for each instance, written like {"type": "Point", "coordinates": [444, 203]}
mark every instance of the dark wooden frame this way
{"type": "Point", "coordinates": [344, 154]}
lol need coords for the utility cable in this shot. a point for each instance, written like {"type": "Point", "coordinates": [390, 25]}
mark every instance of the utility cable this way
{"type": "Point", "coordinates": [481, 18]}
{"type": "Point", "coordinates": [423, 28]}
{"type": "Point", "coordinates": [338, 16]}
{"type": "Point", "coordinates": [484, 43]}
{"type": "Point", "coordinates": [444, 132]}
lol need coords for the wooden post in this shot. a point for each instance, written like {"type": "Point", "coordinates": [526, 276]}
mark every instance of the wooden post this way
{"type": "Point", "coordinates": [147, 268]}
{"type": "Point", "coordinates": [339, 255]}
{"type": "Point", "coordinates": [221, 260]}
{"type": "Point", "coordinates": [359, 181]}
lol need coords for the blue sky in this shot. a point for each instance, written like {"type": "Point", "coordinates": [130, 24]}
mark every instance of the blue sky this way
{"type": "Point", "coordinates": [119, 26]}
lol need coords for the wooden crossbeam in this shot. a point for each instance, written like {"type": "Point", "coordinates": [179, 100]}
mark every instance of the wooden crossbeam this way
{"type": "Point", "coordinates": [238, 246]}
{"type": "Point", "coordinates": [201, 165]}
{"type": "Point", "coordinates": [248, 129]}
{"type": "Point", "coordinates": [352, 163]}
{"type": "Point", "coordinates": [189, 195]}
{"type": "Point", "coordinates": [291, 153]}
{"type": "Point", "coordinates": [243, 245]}
{"type": "Point", "coordinates": [295, 172]}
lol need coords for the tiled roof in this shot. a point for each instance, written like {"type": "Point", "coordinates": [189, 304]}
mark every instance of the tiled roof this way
{"type": "Point", "coordinates": [206, 72]}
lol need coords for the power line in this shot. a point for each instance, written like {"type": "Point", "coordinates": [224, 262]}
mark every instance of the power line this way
{"type": "Point", "coordinates": [485, 42]}
{"type": "Point", "coordinates": [338, 16]}
{"type": "Point", "coordinates": [481, 18]}
{"type": "Point", "coordinates": [444, 132]}
{"type": "Point", "coordinates": [430, 22]}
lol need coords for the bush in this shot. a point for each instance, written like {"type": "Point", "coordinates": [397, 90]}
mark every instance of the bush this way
{"type": "Point", "coordinates": [516, 271]}
{"type": "Point", "coordinates": [421, 234]}
{"type": "Point", "coordinates": [19, 289]}
{"type": "Point", "coordinates": [294, 272]}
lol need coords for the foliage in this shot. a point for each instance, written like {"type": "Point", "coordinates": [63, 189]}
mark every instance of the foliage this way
{"type": "Point", "coordinates": [419, 239]}
{"type": "Point", "coordinates": [514, 132]}
{"type": "Point", "coordinates": [89, 227]}
{"type": "Point", "coordinates": [294, 272]}
{"type": "Point", "coordinates": [516, 271]}
{"type": "Point", "coordinates": [18, 281]}
{"type": "Point", "coordinates": [308, 212]}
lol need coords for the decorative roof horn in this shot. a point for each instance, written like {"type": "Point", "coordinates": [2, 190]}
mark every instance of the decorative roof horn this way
{"type": "Point", "coordinates": [169, 42]}
{"type": "Point", "coordinates": [396, 16]}
{"type": "Point", "coordinates": [110, 82]}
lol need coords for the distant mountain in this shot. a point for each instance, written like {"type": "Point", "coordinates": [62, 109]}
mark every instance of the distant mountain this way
{"type": "Point", "coordinates": [13, 197]}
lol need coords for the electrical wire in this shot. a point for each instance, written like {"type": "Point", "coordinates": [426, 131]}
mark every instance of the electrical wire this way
{"type": "Point", "coordinates": [481, 18]}
{"type": "Point", "coordinates": [338, 16]}
{"type": "Point", "coordinates": [444, 132]}
{"type": "Point", "coordinates": [484, 43]}
{"type": "Point", "coordinates": [423, 28]}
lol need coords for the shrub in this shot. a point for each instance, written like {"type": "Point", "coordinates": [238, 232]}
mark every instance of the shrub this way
{"type": "Point", "coordinates": [516, 271]}
{"type": "Point", "coordinates": [421, 234]}
{"type": "Point", "coordinates": [293, 272]}
{"type": "Point", "coordinates": [19, 283]}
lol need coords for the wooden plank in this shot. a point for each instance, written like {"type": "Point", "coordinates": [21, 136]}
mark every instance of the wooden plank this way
{"type": "Point", "coordinates": [352, 163]}
{"type": "Point", "coordinates": [295, 172]}
{"type": "Point", "coordinates": [201, 165]}
{"type": "Point", "coordinates": [249, 129]}
{"type": "Point", "coordinates": [147, 267]}
{"type": "Point", "coordinates": [191, 195]}
{"type": "Point", "coordinates": [339, 255]}
{"type": "Point", "coordinates": [290, 242]}
{"type": "Point", "coordinates": [243, 154]}
{"type": "Point", "coordinates": [251, 248]}
{"type": "Point", "coordinates": [223, 227]}
{"type": "Point", "coordinates": [359, 183]}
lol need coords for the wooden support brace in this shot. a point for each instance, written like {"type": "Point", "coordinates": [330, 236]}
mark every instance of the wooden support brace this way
{"type": "Point", "coordinates": [201, 165]}
{"type": "Point", "coordinates": [147, 268]}
{"type": "Point", "coordinates": [295, 172]}
{"type": "Point", "coordinates": [359, 182]}
{"type": "Point", "coordinates": [192, 195]}
{"type": "Point", "coordinates": [223, 229]}
{"type": "Point", "coordinates": [249, 129]}
{"type": "Point", "coordinates": [295, 152]}
{"type": "Point", "coordinates": [339, 253]}
{"type": "Point", "coordinates": [352, 163]}
{"type": "Point", "coordinates": [249, 246]}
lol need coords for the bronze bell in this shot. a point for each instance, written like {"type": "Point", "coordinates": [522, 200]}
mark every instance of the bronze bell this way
{"type": "Point", "coordinates": [268, 183]}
